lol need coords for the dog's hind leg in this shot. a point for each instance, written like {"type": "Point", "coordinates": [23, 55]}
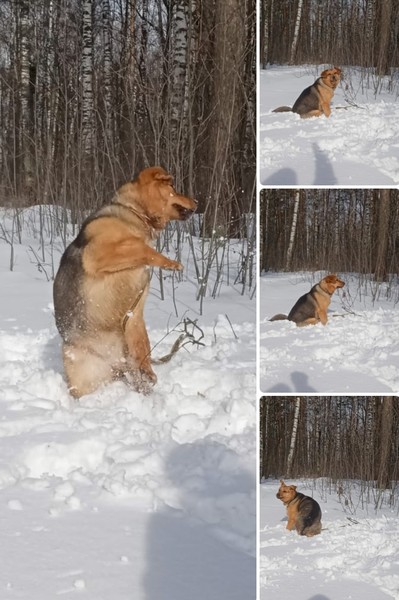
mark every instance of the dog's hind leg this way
{"type": "Point", "coordinates": [312, 113]}
{"type": "Point", "coordinates": [85, 370]}
{"type": "Point", "coordinates": [305, 526]}
{"type": "Point", "coordinates": [139, 354]}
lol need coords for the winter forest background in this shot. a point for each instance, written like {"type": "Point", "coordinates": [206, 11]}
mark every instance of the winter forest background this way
{"type": "Point", "coordinates": [337, 230]}
{"type": "Point", "coordinates": [92, 91]}
{"type": "Point", "coordinates": [342, 32]}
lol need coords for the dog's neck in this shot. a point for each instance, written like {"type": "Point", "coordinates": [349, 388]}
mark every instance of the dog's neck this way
{"type": "Point", "coordinates": [325, 291]}
{"type": "Point", "coordinates": [289, 502]}
{"type": "Point", "coordinates": [147, 221]}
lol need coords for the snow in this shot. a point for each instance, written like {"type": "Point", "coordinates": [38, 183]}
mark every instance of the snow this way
{"type": "Point", "coordinates": [355, 556]}
{"type": "Point", "coordinates": [356, 352]}
{"type": "Point", "coordinates": [120, 495]}
{"type": "Point", "coordinates": [357, 146]}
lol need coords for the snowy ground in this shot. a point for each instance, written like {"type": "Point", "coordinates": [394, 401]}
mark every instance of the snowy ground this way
{"type": "Point", "coordinates": [357, 146]}
{"type": "Point", "coordinates": [120, 496]}
{"type": "Point", "coordinates": [355, 353]}
{"type": "Point", "coordinates": [355, 556]}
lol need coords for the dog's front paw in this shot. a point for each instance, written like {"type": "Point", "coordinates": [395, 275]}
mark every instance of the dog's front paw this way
{"type": "Point", "coordinates": [144, 381]}
{"type": "Point", "coordinates": [173, 265]}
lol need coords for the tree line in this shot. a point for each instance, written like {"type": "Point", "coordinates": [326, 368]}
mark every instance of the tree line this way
{"type": "Point", "coordinates": [343, 32]}
{"type": "Point", "coordinates": [334, 437]}
{"type": "Point", "coordinates": [92, 91]}
{"type": "Point", "coordinates": [327, 229]}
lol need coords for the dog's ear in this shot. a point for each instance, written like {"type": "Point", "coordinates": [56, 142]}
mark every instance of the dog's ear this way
{"type": "Point", "coordinates": [163, 176]}
{"type": "Point", "coordinates": [282, 481]}
{"type": "Point", "coordinates": [293, 487]}
{"type": "Point", "coordinates": [339, 71]}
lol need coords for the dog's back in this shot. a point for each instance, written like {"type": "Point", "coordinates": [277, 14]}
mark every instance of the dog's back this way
{"type": "Point", "coordinates": [308, 521]}
{"type": "Point", "coordinates": [69, 301]}
{"type": "Point", "coordinates": [308, 100]}
{"type": "Point", "coordinates": [305, 307]}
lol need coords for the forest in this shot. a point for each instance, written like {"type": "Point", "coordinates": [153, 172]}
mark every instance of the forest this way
{"type": "Point", "coordinates": [92, 91]}
{"type": "Point", "coordinates": [344, 32]}
{"type": "Point", "coordinates": [338, 230]}
{"type": "Point", "coordinates": [336, 437]}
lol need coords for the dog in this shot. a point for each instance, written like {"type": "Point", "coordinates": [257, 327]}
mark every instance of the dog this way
{"type": "Point", "coordinates": [103, 280]}
{"type": "Point", "coordinates": [304, 513]}
{"type": "Point", "coordinates": [311, 308]}
{"type": "Point", "coordinates": [315, 99]}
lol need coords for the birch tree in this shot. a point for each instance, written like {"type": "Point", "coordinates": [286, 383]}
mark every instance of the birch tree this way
{"type": "Point", "coordinates": [179, 60]}
{"type": "Point", "coordinates": [293, 230]}
{"type": "Point", "coordinates": [107, 67]}
{"type": "Point", "coordinates": [27, 73]}
{"type": "Point", "coordinates": [87, 77]}
{"type": "Point", "coordinates": [290, 456]}
{"type": "Point", "coordinates": [294, 44]}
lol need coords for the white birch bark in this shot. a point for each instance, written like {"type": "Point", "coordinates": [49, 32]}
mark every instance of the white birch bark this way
{"type": "Point", "coordinates": [293, 436]}
{"type": "Point", "coordinates": [26, 133]}
{"type": "Point", "coordinates": [87, 77]}
{"type": "Point", "coordinates": [178, 80]}
{"type": "Point", "coordinates": [293, 230]}
{"type": "Point", "coordinates": [107, 65]}
{"type": "Point", "coordinates": [296, 31]}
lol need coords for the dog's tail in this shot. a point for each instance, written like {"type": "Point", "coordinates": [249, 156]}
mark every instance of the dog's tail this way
{"type": "Point", "coordinates": [279, 317]}
{"type": "Point", "coordinates": [283, 109]}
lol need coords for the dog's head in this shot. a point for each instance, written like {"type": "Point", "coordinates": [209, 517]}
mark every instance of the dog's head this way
{"type": "Point", "coordinates": [331, 77]}
{"type": "Point", "coordinates": [153, 192]}
{"type": "Point", "coordinates": [331, 283]}
{"type": "Point", "coordinates": [286, 493]}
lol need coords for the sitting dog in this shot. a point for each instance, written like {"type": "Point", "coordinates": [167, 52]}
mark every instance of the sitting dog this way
{"type": "Point", "coordinates": [103, 280]}
{"type": "Point", "coordinates": [311, 308]}
{"type": "Point", "coordinates": [304, 513]}
{"type": "Point", "coordinates": [315, 100]}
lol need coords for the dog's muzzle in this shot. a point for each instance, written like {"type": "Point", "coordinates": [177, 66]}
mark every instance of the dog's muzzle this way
{"type": "Point", "coordinates": [184, 213]}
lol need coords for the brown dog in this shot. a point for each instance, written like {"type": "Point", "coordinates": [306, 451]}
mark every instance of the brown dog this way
{"type": "Point", "coordinates": [315, 100]}
{"type": "Point", "coordinates": [103, 280]}
{"type": "Point", "coordinates": [311, 308]}
{"type": "Point", "coordinates": [304, 513]}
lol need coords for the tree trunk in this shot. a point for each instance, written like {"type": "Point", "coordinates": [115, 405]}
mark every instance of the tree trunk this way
{"type": "Point", "coordinates": [227, 100]}
{"type": "Point", "coordinates": [384, 467]}
{"type": "Point", "coordinates": [296, 32]}
{"type": "Point", "coordinates": [27, 93]}
{"type": "Point", "coordinates": [384, 58]}
{"type": "Point", "coordinates": [290, 457]}
{"type": "Point", "coordinates": [293, 230]}
{"type": "Point", "coordinates": [381, 273]}
{"type": "Point", "coordinates": [87, 78]}
{"type": "Point", "coordinates": [107, 66]}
